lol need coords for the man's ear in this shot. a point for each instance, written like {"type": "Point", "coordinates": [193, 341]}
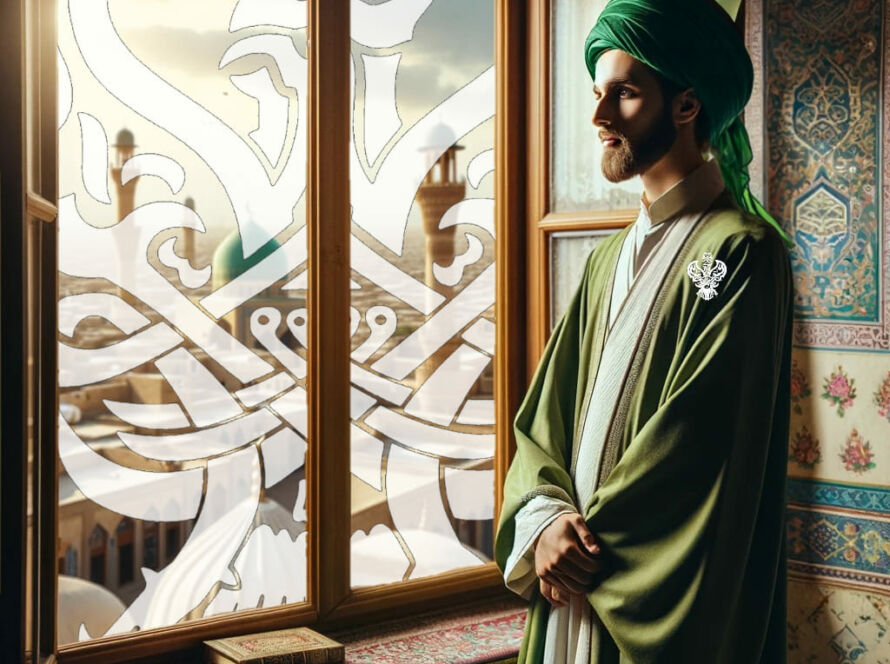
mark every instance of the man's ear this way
{"type": "Point", "coordinates": [686, 106]}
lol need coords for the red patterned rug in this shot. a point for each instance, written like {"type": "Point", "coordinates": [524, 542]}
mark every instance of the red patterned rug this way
{"type": "Point", "coordinates": [492, 635]}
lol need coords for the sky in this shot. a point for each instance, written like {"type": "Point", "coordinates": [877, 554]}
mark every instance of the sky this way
{"type": "Point", "coordinates": [183, 42]}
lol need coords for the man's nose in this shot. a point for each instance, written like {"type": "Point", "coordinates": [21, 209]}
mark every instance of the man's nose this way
{"type": "Point", "coordinates": [601, 116]}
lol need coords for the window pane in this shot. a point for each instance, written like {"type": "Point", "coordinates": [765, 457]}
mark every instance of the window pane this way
{"type": "Point", "coordinates": [182, 161]}
{"type": "Point", "coordinates": [423, 288]}
{"type": "Point", "coordinates": [568, 256]}
{"type": "Point", "coordinates": [576, 180]}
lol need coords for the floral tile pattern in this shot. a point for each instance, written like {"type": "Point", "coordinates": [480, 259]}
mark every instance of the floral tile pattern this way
{"type": "Point", "coordinates": [881, 398]}
{"type": "Point", "coordinates": [857, 454]}
{"type": "Point", "coordinates": [800, 387]}
{"type": "Point", "coordinates": [805, 449]}
{"type": "Point", "coordinates": [822, 85]}
{"type": "Point", "coordinates": [839, 390]}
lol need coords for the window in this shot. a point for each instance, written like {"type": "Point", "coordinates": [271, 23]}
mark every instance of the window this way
{"type": "Point", "coordinates": [98, 554]}
{"type": "Point", "coordinates": [227, 384]}
{"type": "Point", "coordinates": [171, 547]}
{"type": "Point", "coordinates": [125, 551]}
{"type": "Point", "coordinates": [150, 545]}
{"type": "Point", "coordinates": [422, 293]}
{"type": "Point", "coordinates": [571, 205]}
{"type": "Point", "coordinates": [583, 208]}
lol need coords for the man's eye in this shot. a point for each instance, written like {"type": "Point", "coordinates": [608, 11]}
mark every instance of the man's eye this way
{"type": "Point", "coordinates": [625, 93]}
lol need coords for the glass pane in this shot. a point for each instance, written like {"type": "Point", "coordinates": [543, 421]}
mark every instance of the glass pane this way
{"type": "Point", "coordinates": [568, 256]}
{"type": "Point", "coordinates": [576, 179]}
{"type": "Point", "coordinates": [423, 294]}
{"type": "Point", "coordinates": [182, 160]}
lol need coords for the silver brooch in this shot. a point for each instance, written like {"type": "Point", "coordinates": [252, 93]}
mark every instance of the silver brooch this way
{"type": "Point", "coordinates": [707, 275]}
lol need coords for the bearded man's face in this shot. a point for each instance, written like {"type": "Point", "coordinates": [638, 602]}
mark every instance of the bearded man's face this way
{"type": "Point", "coordinates": [635, 122]}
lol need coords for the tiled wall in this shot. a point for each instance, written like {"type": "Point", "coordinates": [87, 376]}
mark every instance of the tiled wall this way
{"type": "Point", "coordinates": [820, 109]}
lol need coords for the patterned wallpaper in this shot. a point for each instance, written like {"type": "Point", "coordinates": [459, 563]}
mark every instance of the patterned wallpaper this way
{"type": "Point", "coordinates": [817, 117]}
{"type": "Point", "coordinates": [823, 122]}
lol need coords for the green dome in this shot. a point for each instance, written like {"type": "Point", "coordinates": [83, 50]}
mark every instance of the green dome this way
{"type": "Point", "coordinates": [229, 261]}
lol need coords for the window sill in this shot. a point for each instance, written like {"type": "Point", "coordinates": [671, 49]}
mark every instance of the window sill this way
{"type": "Point", "coordinates": [429, 635]}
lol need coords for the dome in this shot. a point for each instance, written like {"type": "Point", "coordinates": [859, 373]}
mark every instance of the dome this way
{"type": "Point", "coordinates": [125, 139]}
{"type": "Point", "coordinates": [229, 261]}
{"type": "Point", "coordinates": [82, 601]}
{"type": "Point", "coordinates": [439, 137]}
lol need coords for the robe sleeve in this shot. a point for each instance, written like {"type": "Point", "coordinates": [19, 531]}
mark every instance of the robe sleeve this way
{"type": "Point", "coordinates": [530, 521]}
{"type": "Point", "coordinates": [543, 428]}
{"type": "Point", "coordinates": [696, 498]}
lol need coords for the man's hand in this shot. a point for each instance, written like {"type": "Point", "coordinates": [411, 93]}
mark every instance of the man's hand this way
{"type": "Point", "coordinates": [566, 559]}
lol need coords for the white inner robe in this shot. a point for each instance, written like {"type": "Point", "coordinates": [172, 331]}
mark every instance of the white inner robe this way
{"type": "Point", "coordinates": [569, 640]}
{"type": "Point", "coordinates": [573, 630]}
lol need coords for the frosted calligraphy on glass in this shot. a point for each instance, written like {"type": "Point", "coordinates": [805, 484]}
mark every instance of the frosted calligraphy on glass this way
{"type": "Point", "coordinates": [422, 162]}
{"type": "Point", "coordinates": [182, 142]}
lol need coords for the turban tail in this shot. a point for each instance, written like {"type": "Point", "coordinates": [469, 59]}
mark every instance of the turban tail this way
{"type": "Point", "coordinates": [694, 44]}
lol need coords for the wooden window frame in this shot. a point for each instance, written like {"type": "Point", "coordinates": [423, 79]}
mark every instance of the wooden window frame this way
{"type": "Point", "coordinates": [29, 322]}
{"type": "Point", "coordinates": [542, 221]}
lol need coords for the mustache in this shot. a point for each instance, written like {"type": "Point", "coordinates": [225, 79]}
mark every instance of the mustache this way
{"type": "Point", "coordinates": [604, 135]}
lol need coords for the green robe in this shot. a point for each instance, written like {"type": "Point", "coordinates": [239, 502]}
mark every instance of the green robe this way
{"type": "Point", "coordinates": [691, 517]}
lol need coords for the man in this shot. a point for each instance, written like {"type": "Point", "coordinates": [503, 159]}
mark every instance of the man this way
{"type": "Point", "coordinates": [644, 510]}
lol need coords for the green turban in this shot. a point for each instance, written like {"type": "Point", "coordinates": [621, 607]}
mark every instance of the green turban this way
{"type": "Point", "coordinates": [694, 44]}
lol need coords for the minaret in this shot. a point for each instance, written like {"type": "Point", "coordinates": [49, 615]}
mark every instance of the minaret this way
{"type": "Point", "coordinates": [188, 236]}
{"type": "Point", "coordinates": [439, 191]}
{"type": "Point", "coordinates": [124, 147]}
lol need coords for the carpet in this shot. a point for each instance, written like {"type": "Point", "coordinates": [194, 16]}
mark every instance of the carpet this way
{"type": "Point", "coordinates": [475, 637]}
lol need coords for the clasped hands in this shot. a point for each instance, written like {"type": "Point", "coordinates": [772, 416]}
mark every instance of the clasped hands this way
{"type": "Point", "coordinates": [567, 558]}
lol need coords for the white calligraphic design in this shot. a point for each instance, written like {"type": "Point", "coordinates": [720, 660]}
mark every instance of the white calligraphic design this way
{"type": "Point", "coordinates": [381, 321]}
{"type": "Point", "coordinates": [149, 415]}
{"type": "Point", "coordinates": [280, 13]}
{"type": "Point", "coordinates": [269, 135]}
{"type": "Point", "coordinates": [267, 557]}
{"type": "Point", "coordinates": [451, 275]}
{"type": "Point", "coordinates": [159, 165]}
{"type": "Point", "coordinates": [381, 114]}
{"type": "Point", "coordinates": [470, 493]}
{"type": "Point", "coordinates": [65, 94]}
{"type": "Point", "coordinates": [188, 276]}
{"type": "Point", "coordinates": [75, 308]}
{"type": "Point", "coordinates": [482, 165]}
{"type": "Point", "coordinates": [377, 558]}
{"type": "Point", "coordinates": [183, 317]}
{"type": "Point", "coordinates": [94, 157]}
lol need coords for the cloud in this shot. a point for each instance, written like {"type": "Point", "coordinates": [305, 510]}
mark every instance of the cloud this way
{"type": "Point", "coordinates": [196, 53]}
{"type": "Point", "coordinates": [453, 43]}
{"type": "Point", "coordinates": [457, 32]}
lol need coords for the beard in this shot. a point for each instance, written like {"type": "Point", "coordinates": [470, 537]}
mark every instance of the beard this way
{"type": "Point", "coordinates": [633, 156]}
